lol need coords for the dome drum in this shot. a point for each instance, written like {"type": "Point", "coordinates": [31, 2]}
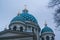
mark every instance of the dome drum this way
{"type": "Point", "coordinates": [17, 22]}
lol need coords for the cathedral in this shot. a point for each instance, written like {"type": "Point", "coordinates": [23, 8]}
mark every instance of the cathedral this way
{"type": "Point", "coordinates": [24, 26]}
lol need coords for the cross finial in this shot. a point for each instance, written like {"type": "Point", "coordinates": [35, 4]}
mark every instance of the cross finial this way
{"type": "Point", "coordinates": [18, 12]}
{"type": "Point", "coordinates": [5, 27]}
{"type": "Point", "coordinates": [45, 23]}
{"type": "Point", "coordinates": [25, 6]}
{"type": "Point", "coordinates": [25, 9]}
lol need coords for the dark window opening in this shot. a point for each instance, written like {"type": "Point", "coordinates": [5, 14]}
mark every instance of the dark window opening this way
{"type": "Point", "coordinates": [9, 28]}
{"type": "Point", "coordinates": [33, 29]}
{"type": "Point", "coordinates": [42, 38]}
{"type": "Point", "coordinates": [21, 29]}
{"type": "Point", "coordinates": [47, 38]}
{"type": "Point", "coordinates": [52, 38]}
{"type": "Point", "coordinates": [14, 28]}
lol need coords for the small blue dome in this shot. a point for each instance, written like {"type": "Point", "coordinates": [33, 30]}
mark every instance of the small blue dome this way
{"type": "Point", "coordinates": [24, 16]}
{"type": "Point", "coordinates": [46, 29]}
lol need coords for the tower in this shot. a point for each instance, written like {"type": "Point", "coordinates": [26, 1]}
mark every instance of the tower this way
{"type": "Point", "coordinates": [25, 22]}
{"type": "Point", "coordinates": [47, 33]}
{"type": "Point", "coordinates": [24, 26]}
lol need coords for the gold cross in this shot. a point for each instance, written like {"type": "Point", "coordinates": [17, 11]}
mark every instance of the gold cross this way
{"type": "Point", "coordinates": [18, 12]}
{"type": "Point", "coordinates": [25, 6]}
{"type": "Point", "coordinates": [45, 23]}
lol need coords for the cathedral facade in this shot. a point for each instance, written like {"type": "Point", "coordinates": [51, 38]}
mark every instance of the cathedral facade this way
{"type": "Point", "coordinates": [25, 27]}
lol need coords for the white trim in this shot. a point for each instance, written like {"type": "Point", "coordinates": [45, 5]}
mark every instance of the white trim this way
{"type": "Point", "coordinates": [18, 22]}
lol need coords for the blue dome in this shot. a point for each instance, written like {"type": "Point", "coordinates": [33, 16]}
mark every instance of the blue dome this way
{"type": "Point", "coordinates": [17, 18]}
{"type": "Point", "coordinates": [24, 16]}
{"type": "Point", "coordinates": [46, 29]}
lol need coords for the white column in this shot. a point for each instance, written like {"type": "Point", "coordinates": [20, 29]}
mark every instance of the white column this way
{"type": "Point", "coordinates": [44, 37]}
{"type": "Point", "coordinates": [50, 38]}
{"type": "Point", "coordinates": [38, 36]}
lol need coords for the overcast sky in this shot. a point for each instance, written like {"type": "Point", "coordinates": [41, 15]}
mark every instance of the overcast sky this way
{"type": "Point", "coordinates": [38, 8]}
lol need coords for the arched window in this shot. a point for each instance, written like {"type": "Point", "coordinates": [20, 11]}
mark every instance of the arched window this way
{"type": "Point", "coordinates": [14, 28]}
{"type": "Point", "coordinates": [52, 38]}
{"type": "Point", "coordinates": [33, 29]}
{"type": "Point", "coordinates": [47, 37]}
{"type": "Point", "coordinates": [42, 38]}
{"type": "Point", "coordinates": [21, 29]}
